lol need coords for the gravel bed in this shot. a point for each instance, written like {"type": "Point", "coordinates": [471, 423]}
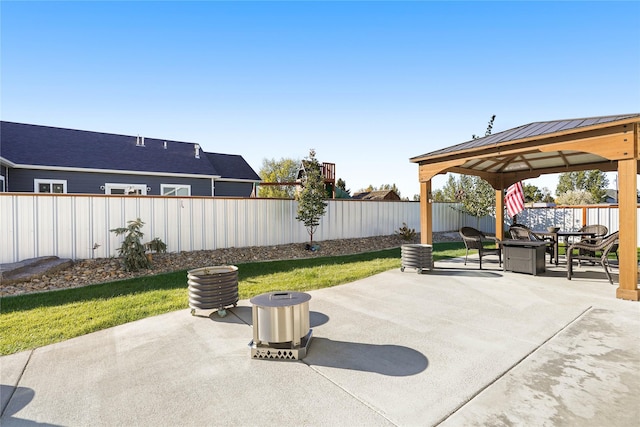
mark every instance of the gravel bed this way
{"type": "Point", "coordinates": [93, 271]}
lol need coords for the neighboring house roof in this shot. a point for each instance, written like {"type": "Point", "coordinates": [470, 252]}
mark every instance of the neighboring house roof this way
{"type": "Point", "coordinates": [232, 166]}
{"type": "Point", "coordinates": [26, 145]}
{"type": "Point", "coordinates": [377, 195]}
{"type": "Point", "coordinates": [611, 196]}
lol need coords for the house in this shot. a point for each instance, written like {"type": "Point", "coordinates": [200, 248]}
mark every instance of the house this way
{"type": "Point", "coordinates": [611, 197]}
{"type": "Point", "coordinates": [377, 195]}
{"type": "Point", "coordinates": [43, 159]}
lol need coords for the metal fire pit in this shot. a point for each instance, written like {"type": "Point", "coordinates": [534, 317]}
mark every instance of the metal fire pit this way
{"type": "Point", "coordinates": [417, 256]}
{"type": "Point", "coordinates": [280, 326]}
{"type": "Point", "coordinates": [213, 288]}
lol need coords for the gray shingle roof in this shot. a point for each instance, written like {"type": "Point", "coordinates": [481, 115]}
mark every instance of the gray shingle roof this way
{"type": "Point", "coordinates": [26, 144]}
{"type": "Point", "coordinates": [232, 166]}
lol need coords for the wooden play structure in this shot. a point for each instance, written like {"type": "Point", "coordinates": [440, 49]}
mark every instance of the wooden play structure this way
{"type": "Point", "coordinates": [328, 174]}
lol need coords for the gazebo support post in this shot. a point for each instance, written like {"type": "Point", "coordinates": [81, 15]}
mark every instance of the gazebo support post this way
{"type": "Point", "coordinates": [426, 213]}
{"type": "Point", "coordinates": [627, 200]}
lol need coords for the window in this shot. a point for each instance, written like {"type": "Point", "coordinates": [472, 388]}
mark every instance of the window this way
{"type": "Point", "coordinates": [175, 190]}
{"type": "Point", "coordinates": [57, 186]}
{"type": "Point", "coordinates": [2, 189]}
{"type": "Point", "coordinates": [126, 189]}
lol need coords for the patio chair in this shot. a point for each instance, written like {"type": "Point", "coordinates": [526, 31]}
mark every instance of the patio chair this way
{"type": "Point", "coordinates": [474, 239]}
{"type": "Point", "coordinates": [522, 232]}
{"type": "Point", "coordinates": [588, 251]}
{"type": "Point", "coordinates": [596, 229]}
{"type": "Point", "coordinates": [599, 232]}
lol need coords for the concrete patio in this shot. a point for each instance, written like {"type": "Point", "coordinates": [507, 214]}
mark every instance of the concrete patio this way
{"type": "Point", "coordinates": [454, 346]}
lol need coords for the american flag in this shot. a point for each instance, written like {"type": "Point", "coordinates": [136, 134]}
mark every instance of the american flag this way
{"type": "Point", "coordinates": [514, 199]}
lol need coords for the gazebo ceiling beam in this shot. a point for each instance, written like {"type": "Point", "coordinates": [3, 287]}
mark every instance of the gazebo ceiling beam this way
{"type": "Point", "coordinates": [514, 159]}
{"type": "Point", "coordinates": [477, 162]}
{"type": "Point", "coordinates": [505, 179]}
{"type": "Point", "coordinates": [564, 158]}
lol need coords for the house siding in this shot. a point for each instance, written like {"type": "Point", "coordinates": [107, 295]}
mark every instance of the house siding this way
{"type": "Point", "coordinates": [91, 182]}
{"type": "Point", "coordinates": [80, 157]}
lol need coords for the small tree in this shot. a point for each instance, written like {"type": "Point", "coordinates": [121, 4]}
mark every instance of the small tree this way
{"type": "Point", "coordinates": [535, 194]}
{"type": "Point", "coordinates": [311, 200]}
{"type": "Point", "coordinates": [474, 193]}
{"type": "Point", "coordinates": [477, 197]}
{"type": "Point", "coordinates": [451, 191]}
{"type": "Point", "coordinates": [283, 170]}
{"type": "Point", "coordinates": [575, 197]}
{"type": "Point", "coordinates": [592, 181]}
{"type": "Point", "coordinates": [489, 128]}
{"type": "Point", "coordinates": [132, 250]}
{"type": "Point", "coordinates": [341, 184]}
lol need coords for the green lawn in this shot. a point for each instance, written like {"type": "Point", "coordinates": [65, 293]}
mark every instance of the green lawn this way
{"type": "Point", "coordinates": [35, 320]}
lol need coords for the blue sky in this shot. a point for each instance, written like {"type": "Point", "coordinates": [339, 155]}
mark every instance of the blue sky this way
{"type": "Point", "coordinates": [366, 84]}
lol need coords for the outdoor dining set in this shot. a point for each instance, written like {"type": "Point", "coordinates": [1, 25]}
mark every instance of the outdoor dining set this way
{"type": "Point", "coordinates": [526, 250]}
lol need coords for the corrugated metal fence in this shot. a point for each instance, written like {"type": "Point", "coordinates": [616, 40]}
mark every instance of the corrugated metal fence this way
{"type": "Point", "coordinates": [77, 226]}
{"type": "Point", "coordinates": [570, 218]}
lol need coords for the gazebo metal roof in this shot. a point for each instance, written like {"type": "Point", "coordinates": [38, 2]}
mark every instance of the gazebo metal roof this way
{"type": "Point", "coordinates": [534, 129]}
{"type": "Point", "coordinates": [530, 150]}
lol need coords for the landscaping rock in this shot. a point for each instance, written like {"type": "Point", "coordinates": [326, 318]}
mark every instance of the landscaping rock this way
{"type": "Point", "coordinates": [34, 269]}
{"type": "Point", "coordinates": [93, 271]}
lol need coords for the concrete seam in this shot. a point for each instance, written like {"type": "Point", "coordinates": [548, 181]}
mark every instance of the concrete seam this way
{"type": "Point", "coordinates": [333, 382]}
{"type": "Point", "coordinates": [349, 393]}
{"type": "Point", "coordinates": [500, 376]}
{"type": "Point", "coordinates": [239, 318]}
{"type": "Point", "coordinates": [24, 368]}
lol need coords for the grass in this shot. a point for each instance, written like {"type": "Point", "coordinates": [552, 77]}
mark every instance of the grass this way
{"type": "Point", "coordinates": [35, 320]}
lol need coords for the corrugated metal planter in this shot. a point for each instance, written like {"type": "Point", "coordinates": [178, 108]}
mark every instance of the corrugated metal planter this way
{"type": "Point", "coordinates": [213, 288]}
{"type": "Point", "coordinates": [417, 256]}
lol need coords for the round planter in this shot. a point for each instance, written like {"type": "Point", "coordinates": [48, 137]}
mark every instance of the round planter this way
{"type": "Point", "coordinates": [417, 256]}
{"type": "Point", "coordinates": [213, 288]}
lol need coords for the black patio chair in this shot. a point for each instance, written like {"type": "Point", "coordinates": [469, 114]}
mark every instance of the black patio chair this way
{"type": "Point", "coordinates": [599, 233]}
{"type": "Point", "coordinates": [588, 251]}
{"type": "Point", "coordinates": [474, 240]}
{"type": "Point", "coordinates": [522, 232]}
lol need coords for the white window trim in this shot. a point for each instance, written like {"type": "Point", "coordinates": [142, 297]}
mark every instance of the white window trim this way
{"type": "Point", "coordinates": [176, 186]}
{"type": "Point", "coordinates": [111, 185]}
{"type": "Point", "coordinates": [37, 182]}
{"type": "Point", "coordinates": [3, 187]}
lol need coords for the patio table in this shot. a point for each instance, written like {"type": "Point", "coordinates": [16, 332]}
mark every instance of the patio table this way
{"type": "Point", "coordinates": [555, 237]}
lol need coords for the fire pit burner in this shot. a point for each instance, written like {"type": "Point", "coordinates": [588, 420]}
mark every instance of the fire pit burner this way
{"type": "Point", "coordinates": [280, 325]}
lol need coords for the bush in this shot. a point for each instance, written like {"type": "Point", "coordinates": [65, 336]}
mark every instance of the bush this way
{"type": "Point", "coordinates": [156, 245]}
{"type": "Point", "coordinates": [407, 234]}
{"type": "Point", "coordinates": [132, 250]}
